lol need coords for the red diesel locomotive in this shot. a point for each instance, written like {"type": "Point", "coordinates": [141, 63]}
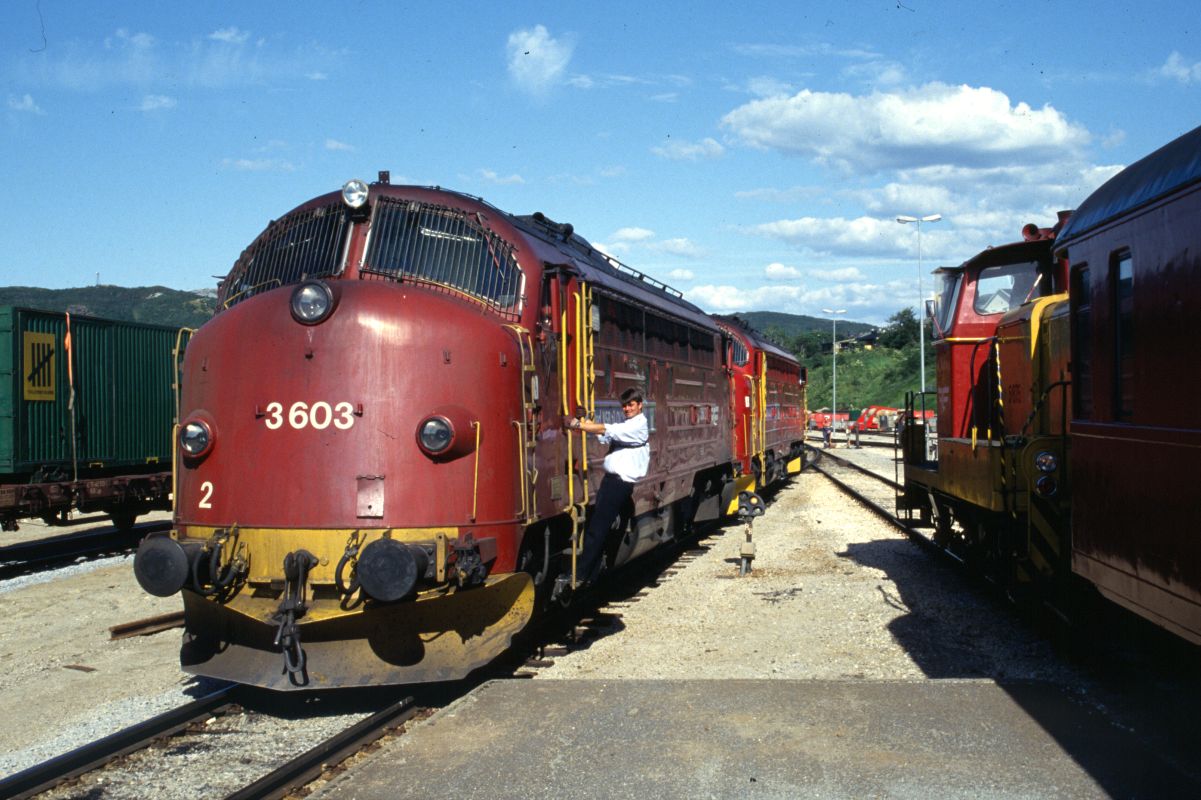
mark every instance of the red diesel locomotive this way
{"type": "Point", "coordinates": [1069, 431]}
{"type": "Point", "coordinates": [376, 480]}
{"type": "Point", "coordinates": [767, 406]}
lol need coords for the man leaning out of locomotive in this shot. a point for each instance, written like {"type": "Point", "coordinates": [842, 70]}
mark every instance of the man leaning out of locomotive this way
{"type": "Point", "coordinates": [626, 463]}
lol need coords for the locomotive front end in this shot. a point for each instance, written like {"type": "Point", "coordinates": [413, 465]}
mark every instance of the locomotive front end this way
{"type": "Point", "coordinates": [349, 505]}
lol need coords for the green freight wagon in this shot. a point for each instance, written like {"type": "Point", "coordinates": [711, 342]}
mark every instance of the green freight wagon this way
{"type": "Point", "coordinates": [86, 419]}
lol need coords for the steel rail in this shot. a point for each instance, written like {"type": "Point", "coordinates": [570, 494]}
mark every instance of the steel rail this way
{"type": "Point", "coordinates": [44, 553]}
{"type": "Point", "coordinates": [860, 468]}
{"type": "Point", "coordinates": [48, 774]}
{"type": "Point", "coordinates": [309, 765]}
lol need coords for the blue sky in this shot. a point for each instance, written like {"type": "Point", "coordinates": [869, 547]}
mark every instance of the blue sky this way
{"type": "Point", "coordinates": [755, 157]}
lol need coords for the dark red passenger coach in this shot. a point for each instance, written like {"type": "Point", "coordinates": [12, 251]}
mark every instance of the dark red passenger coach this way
{"type": "Point", "coordinates": [1134, 250]}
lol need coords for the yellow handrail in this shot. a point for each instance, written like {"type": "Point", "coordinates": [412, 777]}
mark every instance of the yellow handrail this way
{"type": "Point", "coordinates": [475, 488]}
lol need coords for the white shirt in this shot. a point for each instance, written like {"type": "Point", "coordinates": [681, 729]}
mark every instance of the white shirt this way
{"type": "Point", "coordinates": [631, 458]}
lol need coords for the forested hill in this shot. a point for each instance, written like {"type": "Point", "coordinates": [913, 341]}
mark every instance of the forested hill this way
{"type": "Point", "coordinates": [157, 305]}
{"type": "Point", "coordinates": [792, 325]}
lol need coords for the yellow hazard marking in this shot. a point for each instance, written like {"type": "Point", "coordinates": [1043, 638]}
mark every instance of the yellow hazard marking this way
{"type": "Point", "coordinates": [38, 372]}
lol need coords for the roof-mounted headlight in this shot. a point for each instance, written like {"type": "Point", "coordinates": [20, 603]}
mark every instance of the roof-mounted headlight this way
{"type": "Point", "coordinates": [195, 438]}
{"type": "Point", "coordinates": [354, 193]}
{"type": "Point", "coordinates": [312, 302]}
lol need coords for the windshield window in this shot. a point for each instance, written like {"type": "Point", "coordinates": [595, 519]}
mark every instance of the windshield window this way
{"type": "Point", "coordinates": [1006, 286]}
{"type": "Point", "coordinates": [307, 244]}
{"type": "Point", "coordinates": [443, 247]}
{"type": "Point", "coordinates": [944, 304]}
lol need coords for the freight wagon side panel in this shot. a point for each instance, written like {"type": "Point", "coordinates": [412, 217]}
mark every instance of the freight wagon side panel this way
{"type": "Point", "coordinates": [123, 407]}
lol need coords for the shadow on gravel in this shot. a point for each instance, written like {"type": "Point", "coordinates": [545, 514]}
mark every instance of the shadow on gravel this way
{"type": "Point", "coordinates": [1129, 711]}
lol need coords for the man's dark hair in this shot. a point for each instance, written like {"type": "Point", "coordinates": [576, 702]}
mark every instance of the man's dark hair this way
{"type": "Point", "coordinates": [631, 394]}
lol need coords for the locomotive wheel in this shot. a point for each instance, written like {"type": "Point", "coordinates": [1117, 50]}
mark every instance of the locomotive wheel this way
{"type": "Point", "coordinates": [943, 520]}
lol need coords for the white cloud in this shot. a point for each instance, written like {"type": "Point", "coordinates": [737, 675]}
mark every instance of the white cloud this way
{"type": "Point", "coordinates": [838, 275]}
{"type": "Point", "coordinates": [317, 76]}
{"type": "Point", "coordinates": [1177, 68]}
{"type": "Point", "coordinates": [861, 236]}
{"type": "Point", "coordinates": [864, 301]}
{"type": "Point", "coordinates": [681, 275]}
{"type": "Point", "coordinates": [678, 247]}
{"type": "Point", "coordinates": [258, 165]}
{"type": "Point", "coordinates": [767, 86]}
{"type": "Point", "coordinates": [334, 144]}
{"type": "Point", "coordinates": [230, 35]}
{"type": "Point", "coordinates": [156, 102]}
{"type": "Point", "coordinates": [929, 125]}
{"type": "Point", "coordinates": [632, 235]}
{"type": "Point", "coordinates": [537, 61]}
{"type": "Point", "coordinates": [492, 177]}
{"type": "Point", "coordinates": [680, 150]}
{"type": "Point", "coordinates": [24, 103]}
{"type": "Point", "coordinates": [779, 272]}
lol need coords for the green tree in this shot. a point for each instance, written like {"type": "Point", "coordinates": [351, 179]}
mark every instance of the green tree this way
{"type": "Point", "coordinates": [901, 331]}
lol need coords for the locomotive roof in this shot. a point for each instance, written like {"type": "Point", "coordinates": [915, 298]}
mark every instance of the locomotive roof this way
{"type": "Point", "coordinates": [760, 341]}
{"type": "Point", "coordinates": [1001, 254]}
{"type": "Point", "coordinates": [603, 270]}
{"type": "Point", "coordinates": [1171, 167]}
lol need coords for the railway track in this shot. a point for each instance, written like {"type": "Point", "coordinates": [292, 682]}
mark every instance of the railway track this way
{"type": "Point", "coordinates": [55, 551]}
{"type": "Point", "coordinates": [190, 720]}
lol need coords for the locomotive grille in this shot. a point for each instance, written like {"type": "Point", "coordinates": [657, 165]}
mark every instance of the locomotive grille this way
{"type": "Point", "coordinates": [308, 244]}
{"type": "Point", "coordinates": [446, 249]}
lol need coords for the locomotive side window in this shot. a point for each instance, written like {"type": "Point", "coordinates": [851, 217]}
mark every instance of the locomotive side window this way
{"type": "Point", "coordinates": [441, 246]}
{"type": "Point", "coordinates": [1006, 286]}
{"type": "Point", "coordinates": [1082, 342]}
{"type": "Point", "coordinates": [1123, 314]}
{"type": "Point", "coordinates": [740, 354]}
{"type": "Point", "coordinates": [307, 244]}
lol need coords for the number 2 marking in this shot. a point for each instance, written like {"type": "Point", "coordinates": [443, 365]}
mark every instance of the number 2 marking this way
{"type": "Point", "coordinates": [207, 488]}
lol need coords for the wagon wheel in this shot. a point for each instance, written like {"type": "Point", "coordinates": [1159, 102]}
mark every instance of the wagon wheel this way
{"type": "Point", "coordinates": [123, 520]}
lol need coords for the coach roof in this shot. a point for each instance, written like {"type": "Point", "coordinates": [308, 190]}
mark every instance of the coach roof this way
{"type": "Point", "coordinates": [1171, 167]}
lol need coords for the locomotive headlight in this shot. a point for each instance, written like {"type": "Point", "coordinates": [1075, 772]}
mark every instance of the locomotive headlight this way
{"type": "Point", "coordinates": [1046, 461]}
{"type": "Point", "coordinates": [312, 302]}
{"type": "Point", "coordinates": [435, 435]}
{"type": "Point", "coordinates": [354, 193]}
{"type": "Point", "coordinates": [1046, 486]}
{"type": "Point", "coordinates": [195, 438]}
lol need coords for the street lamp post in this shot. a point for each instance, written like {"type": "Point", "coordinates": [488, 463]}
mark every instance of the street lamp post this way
{"type": "Point", "coordinates": [833, 367]}
{"type": "Point", "coordinates": [921, 312]}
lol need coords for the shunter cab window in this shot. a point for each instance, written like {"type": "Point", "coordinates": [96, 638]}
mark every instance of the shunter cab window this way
{"type": "Point", "coordinates": [1006, 286]}
{"type": "Point", "coordinates": [443, 247]}
{"type": "Point", "coordinates": [944, 306]}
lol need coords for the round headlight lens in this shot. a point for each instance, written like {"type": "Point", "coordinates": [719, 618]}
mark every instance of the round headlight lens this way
{"type": "Point", "coordinates": [354, 193]}
{"type": "Point", "coordinates": [311, 302]}
{"type": "Point", "coordinates": [1046, 461]}
{"type": "Point", "coordinates": [1046, 486]}
{"type": "Point", "coordinates": [435, 435]}
{"type": "Point", "coordinates": [195, 438]}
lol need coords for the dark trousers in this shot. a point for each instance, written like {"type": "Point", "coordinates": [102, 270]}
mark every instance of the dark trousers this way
{"type": "Point", "coordinates": [614, 493]}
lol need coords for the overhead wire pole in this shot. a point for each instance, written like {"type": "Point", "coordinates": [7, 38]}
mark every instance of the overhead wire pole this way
{"type": "Point", "coordinates": [834, 367]}
{"type": "Point", "coordinates": [921, 312]}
